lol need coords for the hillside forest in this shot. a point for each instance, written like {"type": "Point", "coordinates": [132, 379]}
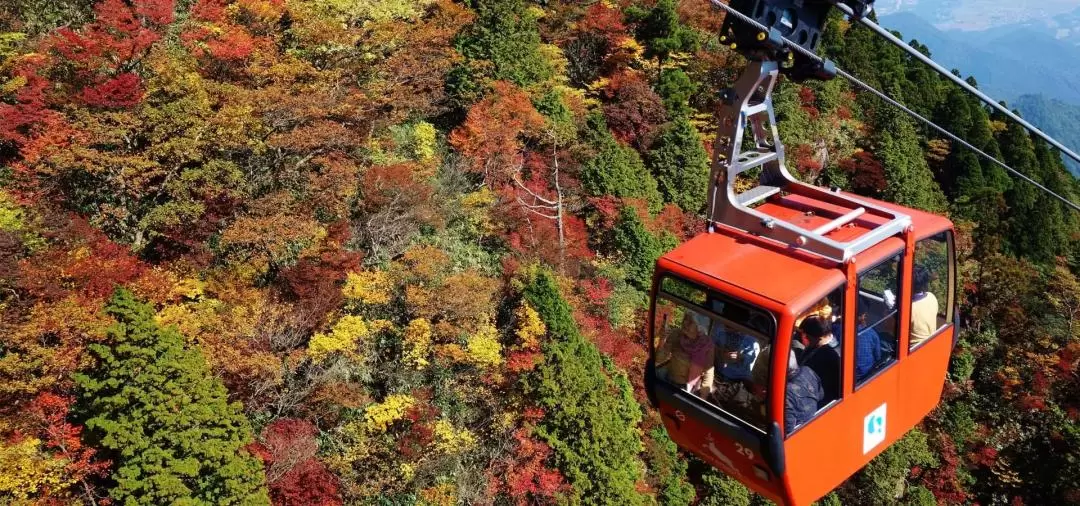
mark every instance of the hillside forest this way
{"type": "Point", "coordinates": [322, 252]}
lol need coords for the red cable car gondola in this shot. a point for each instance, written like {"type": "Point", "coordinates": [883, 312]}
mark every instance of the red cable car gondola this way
{"type": "Point", "coordinates": [727, 307]}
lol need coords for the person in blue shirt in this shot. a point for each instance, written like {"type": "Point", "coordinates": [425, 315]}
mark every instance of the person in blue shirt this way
{"type": "Point", "coordinates": [867, 350]}
{"type": "Point", "coordinates": [739, 354]}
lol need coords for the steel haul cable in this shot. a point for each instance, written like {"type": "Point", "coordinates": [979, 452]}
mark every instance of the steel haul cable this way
{"type": "Point", "coordinates": [857, 82]}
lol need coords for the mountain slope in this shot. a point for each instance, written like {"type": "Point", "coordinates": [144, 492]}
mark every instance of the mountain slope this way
{"type": "Point", "coordinates": [1056, 118]}
{"type": "Point", "coordinates": [1007, 63]}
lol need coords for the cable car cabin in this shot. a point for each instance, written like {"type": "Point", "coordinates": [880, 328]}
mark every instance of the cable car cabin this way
{"type": "Point", "coordinates": [724, 328]}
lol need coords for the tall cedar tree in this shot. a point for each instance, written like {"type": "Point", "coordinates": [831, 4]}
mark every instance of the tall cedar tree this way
{"type": "Point", "coordinates": [1019, 153]}
{"type": "Point", "coordinates": [507, 35]}
{"type": "Point", "coordinates": [680, 164]}
{"type": "Point", "coordinates": [156, 411]}
{"type": "Point", "coordinates": [910, 182]}
{"type": "Point", "coordinates": [591, 420]}
{"type": "Point", "coordinates": [639, 247]}
{"type": "Point", "coordinates": [615, 169]}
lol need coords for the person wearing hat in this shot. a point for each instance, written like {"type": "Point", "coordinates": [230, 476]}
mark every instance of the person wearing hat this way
{"type": "Point", "coordinates": [692, 355]}
{"type": "Point", "coordinates": [822, 356]}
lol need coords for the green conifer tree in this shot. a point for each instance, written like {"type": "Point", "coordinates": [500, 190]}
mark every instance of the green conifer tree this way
{"type": "Point", "coordinates": [616, 169]}
{"type": "Point", "coordinates": [153, 407]}
{"type": "Point", "coordinates": [507, 34]}
{"type": "Point", "coordinates": [719, 489]}
{"type": "Point", "coordinates": [1048, 223]}
{"type": "Point", "coordinates": [910, 182]}
{"type": "Point", "coordinates": [1023, 199]}
{"type": "Point", "coordinates": [591, 420]}
{"type": "Point", "coordinates": [923, 88]}
{"type": "Point", "coordinates": [639, 247]}
{"type": "Point", "coordinates": [982, 137]}
{"type": "Point", "coordinates": [680, 164]}
{"type": "Point", "coordinates": [961, 173]}
{"type": "Point", "coordinates": [676, 88]}
{"type": "Point", "coordinates": [663, 33]}
{"type": "Point", "coordinates": [668, 468]}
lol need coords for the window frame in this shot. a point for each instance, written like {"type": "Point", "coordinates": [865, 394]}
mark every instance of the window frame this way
{"type": "Point", "coordinates": [770, 340]}
{"type": "Point", "coordinates": [856, 384]}
{"type": "Point", "coordinates": [950, 296]}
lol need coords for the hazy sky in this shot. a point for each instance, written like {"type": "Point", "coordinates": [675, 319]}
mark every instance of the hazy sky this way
{"type": "Point", "coordinates": [979, 14]}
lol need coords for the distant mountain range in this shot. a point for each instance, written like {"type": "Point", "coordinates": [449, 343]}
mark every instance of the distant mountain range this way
{"type": "Point", "coordinates": [1033, 69]}
{"type": "Point", "coordinates": [985, 14]}
{"type": "Point", "coordinates": [1007, 61]}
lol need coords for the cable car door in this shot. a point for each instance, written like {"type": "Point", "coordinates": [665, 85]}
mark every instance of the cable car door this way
{"type": "Point", "coordinates": [848, 431]}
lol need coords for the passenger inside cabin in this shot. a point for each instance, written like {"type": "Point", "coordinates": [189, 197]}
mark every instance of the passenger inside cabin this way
{"type": "Point", "coordinates": [692, 356]}
{"type": "Point", "coordinates": [803, 394]}
{"type": "Point", "coordinates": [740, 352]}
{"type": "Point", "coordinates": [822, 355]}
{"type": "Point", "coordinates": [823, 309]}
{"type": "Point", "coordinates": [868, 350]}
{"type": "Point", "coordinates": [924, 306]}
{"type": "Point", "coordinates": [738, 362]}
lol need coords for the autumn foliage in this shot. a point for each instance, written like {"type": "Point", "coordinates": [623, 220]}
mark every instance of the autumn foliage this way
{"type": "Point", "coordinates": [347, 252]}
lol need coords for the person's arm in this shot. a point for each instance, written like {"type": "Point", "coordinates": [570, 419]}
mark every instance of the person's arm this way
{"type": "Point", "coordinates": [707, 381]}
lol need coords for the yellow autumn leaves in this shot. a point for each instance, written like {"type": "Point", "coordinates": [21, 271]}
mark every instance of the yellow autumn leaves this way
{"type": "Point", "coordinates": [417, 343]}
{"type": "Point", "coordinates": [347, 336]}
{"type": "Point", "coordinates": [530, 327]}
{"type": "Point", "coordinates": [483, 347]}
{"type": "Point", "coordinates": [379, 417]}
{"type": "Point", "coordinates": [367, 287]}
{"type": "Point", "coordinates": [450, 314]}
{"type": "Point", "coordinates": [343, 338]}
{"type": "Point", "coordinates": [25, 469]}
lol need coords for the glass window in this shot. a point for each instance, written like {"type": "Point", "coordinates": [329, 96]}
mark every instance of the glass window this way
{"type": "Point", "coordinates": [931, 287]}
{"type": "Point", "coordinates": [877, 325]}
{"type": "Point", "coordinates": [714, 347]}
{"type": "Point", "coordinates": [814, 368]}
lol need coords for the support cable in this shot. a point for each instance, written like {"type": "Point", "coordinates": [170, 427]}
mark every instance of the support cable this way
{"type": "Point", "coordinates": [860, 84]}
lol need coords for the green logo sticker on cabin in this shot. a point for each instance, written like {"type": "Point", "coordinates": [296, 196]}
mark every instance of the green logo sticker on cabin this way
{"type": "Point", "coordinates": [873, 429]}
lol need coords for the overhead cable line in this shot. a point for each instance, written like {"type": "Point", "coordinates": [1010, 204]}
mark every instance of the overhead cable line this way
{"type": "Point", "coordinates": [952, 136]}
{"type": "Point", "coordinates": [857, 82]}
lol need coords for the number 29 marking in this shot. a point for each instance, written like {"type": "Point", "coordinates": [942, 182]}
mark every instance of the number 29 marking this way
{"type": "Point", "coordinates": [744, 451]}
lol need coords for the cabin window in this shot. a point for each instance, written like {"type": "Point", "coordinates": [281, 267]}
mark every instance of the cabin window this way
{"type": "Point", "coordinates": [814, 366]}
{"type": "Point", "coordinates": [932, 287]}
{"type": "Point", "coordinates": [714, 347]}
{"type": "Point", "coordinates": [877, 318]}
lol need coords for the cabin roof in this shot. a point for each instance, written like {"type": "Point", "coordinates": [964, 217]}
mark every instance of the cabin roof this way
{"type": "Point", "coordinates": [792, 279]}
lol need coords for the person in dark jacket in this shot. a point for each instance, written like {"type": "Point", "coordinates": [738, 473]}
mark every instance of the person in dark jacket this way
{"type": "Point", "coordinates": [822, 356]}
{"type": "Point", "coordinates": [802, 395]}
